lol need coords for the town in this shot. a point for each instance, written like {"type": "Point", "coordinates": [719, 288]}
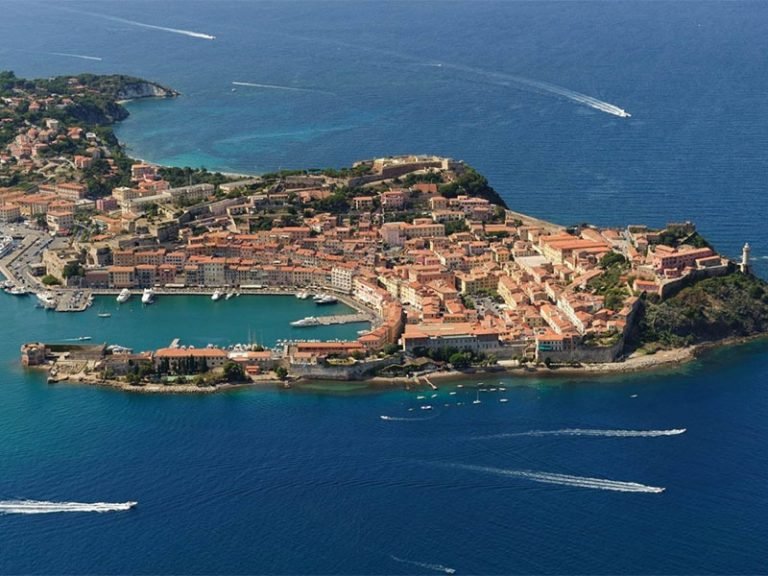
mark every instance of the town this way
{"type": "Point", "coordinates": [422, 243]}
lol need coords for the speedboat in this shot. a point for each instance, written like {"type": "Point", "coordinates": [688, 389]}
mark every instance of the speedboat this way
{"type": "Point", "coordinates": [104, 314]}
{"type": "Point", "coordinates": [216, 295]}
{"type": "Point", "coordinates": [123, 296]}
{"type": "Point", "coordinates": [148, 296]}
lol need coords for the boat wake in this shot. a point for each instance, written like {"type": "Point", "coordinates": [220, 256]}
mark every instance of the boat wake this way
{"type": "Point", "coordinates": [566, 479]}
{"type": "Point", "coordinates": [538, 85]}
{"type": "Point", "coordinates": [42, 507]}
{"type": "Point", "coordinates": [435, 567]}
{"type": "Point", "coordinates": [402, 419]}
{"type": "Point", "coordinates": [189, 33]}
{"type": "Point", "coordinates": [81, 56]}
{"type": "Point", "coordinates": [279, 87]}
{"type": "Point", "coordinates": [502, 79]}
{"type": "Point", "coordinates": [590, 432]}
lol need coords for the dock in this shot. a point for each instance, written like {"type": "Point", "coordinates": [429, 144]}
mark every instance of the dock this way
{"type": "Point", "coordinates": [431, 385]}
{"type": "Point", "coordinates": [343, 319]}
{"type": "Point", "coordinates": [73, 300]}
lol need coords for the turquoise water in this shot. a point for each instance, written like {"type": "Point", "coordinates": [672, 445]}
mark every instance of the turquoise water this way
{"type": "Point", "coordinates": [196, 320]}
{"type": "Point", "coordinates": [312, 481]}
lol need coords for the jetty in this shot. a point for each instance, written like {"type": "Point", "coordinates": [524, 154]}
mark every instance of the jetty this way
{"type": "Point", "coordinates": [342, 319]}
{"type": "Point", "coordinates": [73, 300]}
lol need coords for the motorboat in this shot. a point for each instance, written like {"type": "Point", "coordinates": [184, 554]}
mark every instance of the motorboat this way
{"type": "Point", "coordinates": [148, 296]}
{"type": "Point", "coordinates": [124, 295]}
{"type": "Point", "coordinates": [216, 296]}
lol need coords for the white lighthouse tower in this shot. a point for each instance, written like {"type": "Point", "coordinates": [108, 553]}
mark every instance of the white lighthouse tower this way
{"type": "Point", "coordinates": [744, 265]}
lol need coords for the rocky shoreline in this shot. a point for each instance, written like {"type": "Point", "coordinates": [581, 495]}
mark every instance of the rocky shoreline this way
{"type": "Point", "coordinates": [662, 360]}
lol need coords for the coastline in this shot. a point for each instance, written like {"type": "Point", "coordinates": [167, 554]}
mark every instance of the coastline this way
{"type": "Point", "coordinates": [662, 360]}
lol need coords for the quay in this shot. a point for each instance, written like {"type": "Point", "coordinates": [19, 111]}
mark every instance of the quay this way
{"type": "Point", "coordinates": [343, 319]}
{"type": "Point", "coordinates": [73, 300]}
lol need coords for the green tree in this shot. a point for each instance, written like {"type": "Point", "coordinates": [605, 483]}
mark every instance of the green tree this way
{"type": "Point", "coordinates": [281, 372]}
{"type": "Point", "coordinates": [72, 269]}
{"type": "Point", "coordinates": [460, 360]}
{"type": "Point", "coordinates": [50, 280]}
{"type": "Point", "coordinates": [233, 372]}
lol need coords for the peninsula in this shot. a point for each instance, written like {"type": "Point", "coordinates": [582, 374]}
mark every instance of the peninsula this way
{"type": "Point", "coordinates": [452, 277]}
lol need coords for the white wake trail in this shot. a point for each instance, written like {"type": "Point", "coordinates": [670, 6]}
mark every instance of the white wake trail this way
{"type": "Point", "coordinates": [505, 79]}
{"type": "Point", "coordinates": [590, 432]}
{"type": "Point", "coordinates": [566, 479]}
{"type": "Point", "coordinates": [402, 419]}
{"type": "Point", "coordinates": [43, 507]}
{"type": "Point", "coordinates": [189, 33]}
{"type": "Point", "coordinates": [435, 567]}
{"type": "Point", "coordinates": [81, 56]}
{"type": "Point", "coordinates": [279, 87]}
{"type": "Point", "coordinates": [572, 95]}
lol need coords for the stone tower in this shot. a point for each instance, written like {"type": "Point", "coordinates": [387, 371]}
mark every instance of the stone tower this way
{"type": "Point", "coordinates": [744, 265]}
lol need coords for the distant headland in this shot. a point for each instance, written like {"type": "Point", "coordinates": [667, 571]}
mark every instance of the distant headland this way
{"type": "Point", "coordinates": [453, 279]}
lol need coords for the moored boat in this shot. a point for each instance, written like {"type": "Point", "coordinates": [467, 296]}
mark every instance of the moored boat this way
{"type": "Point", "coordinates": [308, 321]}
{"type": "Point", "coordinates": [325, 300]}
{"type": "Point", "coordinates": [47, 300]}
{"type": "Point", "coordinates": [123, 296]}
{"type": "Point", "coordinates": [148, 296]}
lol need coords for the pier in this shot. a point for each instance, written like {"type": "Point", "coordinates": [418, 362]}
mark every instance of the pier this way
{"type": "Point", "coordinates": [73, 300]}
{"type": "Point", "coordinates": [342, 319]}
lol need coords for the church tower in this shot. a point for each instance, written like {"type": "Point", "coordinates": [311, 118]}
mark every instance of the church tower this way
{"type": "Point", "coordinates": [744, 265]}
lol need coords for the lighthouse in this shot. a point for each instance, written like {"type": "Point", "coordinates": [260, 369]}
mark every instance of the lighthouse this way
{"type": "Point", "coordinates": [744, 265]}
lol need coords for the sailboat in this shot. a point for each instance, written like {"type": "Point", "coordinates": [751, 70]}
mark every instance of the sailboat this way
{"type": "Point", "coordinates": [477, 400]}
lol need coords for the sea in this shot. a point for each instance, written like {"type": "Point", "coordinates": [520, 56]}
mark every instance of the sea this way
{"type": "Point", "coordinates": [654, 473]}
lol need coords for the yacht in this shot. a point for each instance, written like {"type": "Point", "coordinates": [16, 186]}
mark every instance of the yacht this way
{"type": "Point", "coordinates": [325, 299]}
{"type": "Point", "coordinates": [229, 295]}
{"type": "Point", "coordinates": [303, 295]}
{"type": "Point", "coordinates": [308, 321]}
{"type": "Point", "coordinates": [47, 300]}
{"type": "Point", "coordinates": [216, 295]}
{"type": "Point", "coordinates": [123, 296]}
{"type": "Point", "coordinates": [148, 296]}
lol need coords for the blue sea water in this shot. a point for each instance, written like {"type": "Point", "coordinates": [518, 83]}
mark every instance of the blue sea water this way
{"type": "Point", "coordinates": [314, 481]}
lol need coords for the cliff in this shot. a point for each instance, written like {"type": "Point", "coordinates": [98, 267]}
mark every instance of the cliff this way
{"type": "Point", "coordinates": [133, 90]}
{"type": "Point", "coordinates": [732, 306]}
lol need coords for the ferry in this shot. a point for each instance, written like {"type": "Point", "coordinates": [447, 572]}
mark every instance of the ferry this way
{"type": "Point", "coordinates": [308, 321]}
{"type": "Point", "coordinates": [148, 296]}
{"type": "Point", "coordinates": [123, 296]}
{"type": "Point", "coordinates": [216, 295]}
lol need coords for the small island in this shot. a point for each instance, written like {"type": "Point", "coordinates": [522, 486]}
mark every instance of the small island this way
{"type": "Point", "coordinates": [454, 280]}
